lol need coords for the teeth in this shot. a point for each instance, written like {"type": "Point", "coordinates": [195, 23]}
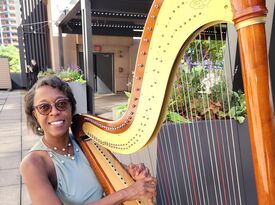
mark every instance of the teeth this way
{"type": "Point", "coordinates": [57, 122]}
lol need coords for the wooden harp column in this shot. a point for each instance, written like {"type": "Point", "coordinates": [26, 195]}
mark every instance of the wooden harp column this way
{"type": "Point", "coordinates": [249, 21]}
{"type": "Point", "coordinates": [163, 40]}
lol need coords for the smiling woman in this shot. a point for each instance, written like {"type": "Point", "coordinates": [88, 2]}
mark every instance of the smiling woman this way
{"type": "Point", "coordinates": [56, 170]}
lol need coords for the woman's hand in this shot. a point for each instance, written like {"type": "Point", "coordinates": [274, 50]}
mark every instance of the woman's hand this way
{"type": "Point", "coordinates": [142, 189]}
{"type": "Point", "coordinates": [138, 171]}
{"type": "Point", "coordinates": [145, 185]}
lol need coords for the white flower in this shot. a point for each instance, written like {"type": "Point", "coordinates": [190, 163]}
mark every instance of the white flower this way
{"type": "Point", "coordinates": [209, 81]}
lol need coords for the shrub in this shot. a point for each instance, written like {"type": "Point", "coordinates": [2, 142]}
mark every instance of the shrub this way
{"type": "Point", "coordinates": [68, 75]}
{"type": "Point", "coordinates": [12, 53]}
{"type": "Point", "coordinates": [202, 94]}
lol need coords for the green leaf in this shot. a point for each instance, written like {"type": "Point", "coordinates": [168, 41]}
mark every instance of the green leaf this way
{"type": "Point", "coordinates": [232, 112]}
{"type": "Point", "coordinates": [128, 94]}
{"type": "Point", "coordinates": [176, 117]}
{"type": "Point", "coordinates": [240, 119]}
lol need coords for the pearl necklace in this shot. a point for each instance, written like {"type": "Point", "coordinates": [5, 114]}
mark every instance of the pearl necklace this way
{"type": "Point", "coordinates": [64, 149]}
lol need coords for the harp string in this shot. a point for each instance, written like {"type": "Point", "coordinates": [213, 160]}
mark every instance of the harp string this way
{"type": "Point", "coordinates": [226, 130]}
{"type": "Point", "coordinates": [188, 142]}
{"type": "Point", "coordinates": [175, 188]}
{"type": "Point", "coordinates": [204, 59]}
{"type": "Point", "coordinates": [172, 183]}
{"type": "Point", "coordinates": [231, 130]}
{"type": "Point", "coordinates": [218, 160]}
{"type": "Point", "coordinates": [215, 135]}
{"type": "Point", "coordinates": [188, 136]}
{"type": "Point", "coordinates": [151, 159]}
{"type": "Point", "coordinates": [194, 173]}
{"type": "Point", "coordinates": [180, 144]}
{"type": "Point", "coordinates": [183, 130]}
{"type": "Point", "coordinates": [199, 137]}
{"type": "Point", "coordinates": [196, 137]}
{"type": "Point", "coordinates": [222, 86]}
{"type": "Point", "coordinates": [210, 135]}
{"type": "Point", "coordinates": [163, 191]}
{"type": "Point", "coordinates": [200, 56]}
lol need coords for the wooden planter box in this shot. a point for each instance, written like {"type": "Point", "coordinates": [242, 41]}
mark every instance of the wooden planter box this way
{"type": "Point", "coordinates": [5, 79]}
{"type": "Point", "coordinates": [206, 162]}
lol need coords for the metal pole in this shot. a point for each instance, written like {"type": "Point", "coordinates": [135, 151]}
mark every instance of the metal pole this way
{"type": "Point", "coordinates": [60, 48]}
{"type": "Point", "coordinates": [87, 52]}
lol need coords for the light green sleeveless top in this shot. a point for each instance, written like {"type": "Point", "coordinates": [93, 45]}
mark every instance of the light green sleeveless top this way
{"type": "Point", "coordinates": [76, 181]}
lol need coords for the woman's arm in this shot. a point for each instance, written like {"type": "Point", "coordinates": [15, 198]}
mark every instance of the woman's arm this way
{"type": "Point", "coordinates": [36, 177]}
{"type": "Point", "coordinates": [35, 172]}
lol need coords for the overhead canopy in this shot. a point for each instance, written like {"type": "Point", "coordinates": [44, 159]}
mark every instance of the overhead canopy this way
{"type": "Point", "coordinates": [109, 17]}
{"type": "Point", "coordinates": [116, 18]}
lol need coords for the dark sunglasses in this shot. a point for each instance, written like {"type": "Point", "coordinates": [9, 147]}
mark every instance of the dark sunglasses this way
{"type": "Point", "coordinates": [46, 108]}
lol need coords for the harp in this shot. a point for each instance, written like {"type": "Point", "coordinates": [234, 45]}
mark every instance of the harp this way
{"type": "Point", "coordinates": [170, 26]}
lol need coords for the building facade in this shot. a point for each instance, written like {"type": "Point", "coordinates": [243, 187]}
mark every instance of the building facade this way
{"type": "Point", "coordinates": [8, 23]}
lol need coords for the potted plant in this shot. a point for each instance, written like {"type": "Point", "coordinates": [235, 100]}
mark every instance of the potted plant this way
{"type": "Point", "coordinates": [204, 95]}
{"type": "Point", "coordinates": [208, 98]}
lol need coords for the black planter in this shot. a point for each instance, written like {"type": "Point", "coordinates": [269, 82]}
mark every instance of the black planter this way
{"type": "Point", "coordinates": [16, 80]}
{"type": "Point", "coordinates": [206, 162]}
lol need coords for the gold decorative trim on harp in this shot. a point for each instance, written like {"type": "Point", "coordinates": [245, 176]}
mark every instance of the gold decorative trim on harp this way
{"type": "Point", "coordinates": [170, 26]}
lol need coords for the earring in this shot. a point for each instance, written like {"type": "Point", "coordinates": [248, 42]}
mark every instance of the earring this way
{"type": "Point", "coordinates": [39, 129]}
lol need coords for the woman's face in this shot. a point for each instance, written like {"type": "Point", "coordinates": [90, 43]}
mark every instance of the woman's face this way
{"type": "Point", "coordinates": [52, 111]}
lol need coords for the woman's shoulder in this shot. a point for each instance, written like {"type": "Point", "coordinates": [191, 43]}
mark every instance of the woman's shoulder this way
{"type": "Point", "coordinates": [34, 158]}
{"type": "Point", "coordinates": [34, 162]}
{"type": "Point", "coordinates": [35, 171]}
